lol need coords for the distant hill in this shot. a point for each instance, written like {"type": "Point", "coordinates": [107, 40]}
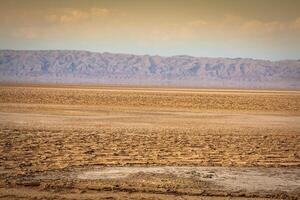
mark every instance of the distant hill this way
{"type": "Point", "coordinates": [107, 68]}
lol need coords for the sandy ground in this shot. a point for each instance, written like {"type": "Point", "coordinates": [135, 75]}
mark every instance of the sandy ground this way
{"type": "Point", "coordinates": [57, 142]}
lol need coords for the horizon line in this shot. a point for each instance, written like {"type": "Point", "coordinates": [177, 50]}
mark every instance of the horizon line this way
{"type": "Point", "coordinates": [152, 55]}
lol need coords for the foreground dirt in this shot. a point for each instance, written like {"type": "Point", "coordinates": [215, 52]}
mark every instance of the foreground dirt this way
{"type": "Point", "coordinates": [44, 129]}
{"type": "Point", "coordinates": [157, 183]}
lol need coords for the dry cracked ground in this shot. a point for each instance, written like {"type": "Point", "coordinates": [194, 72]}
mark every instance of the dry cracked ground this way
{"type": "Point", "coordinates": [92, 142]}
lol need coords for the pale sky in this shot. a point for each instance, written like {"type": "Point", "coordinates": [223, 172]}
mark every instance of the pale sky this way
{"type": "Point", "coordinates": [264, 29]}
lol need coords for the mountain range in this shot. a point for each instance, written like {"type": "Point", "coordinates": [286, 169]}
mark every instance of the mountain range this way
{"type": "Point", "coordinates": [65, 66]}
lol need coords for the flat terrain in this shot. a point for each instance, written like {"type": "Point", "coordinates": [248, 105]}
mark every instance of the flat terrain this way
{"type": "Point", "coordinates": [51, 136]}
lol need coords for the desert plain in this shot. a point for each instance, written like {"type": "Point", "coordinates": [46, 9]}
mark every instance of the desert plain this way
{"type": "Point", "coordinates": [121, 142]}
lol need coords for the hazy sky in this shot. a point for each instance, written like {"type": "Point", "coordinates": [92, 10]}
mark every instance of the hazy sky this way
{"type": "Point", "coordinates": [267, 29]}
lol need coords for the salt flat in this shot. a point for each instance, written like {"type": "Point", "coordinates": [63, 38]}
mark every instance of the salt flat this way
{"type": "Point", "coordinates": [243, 135]}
